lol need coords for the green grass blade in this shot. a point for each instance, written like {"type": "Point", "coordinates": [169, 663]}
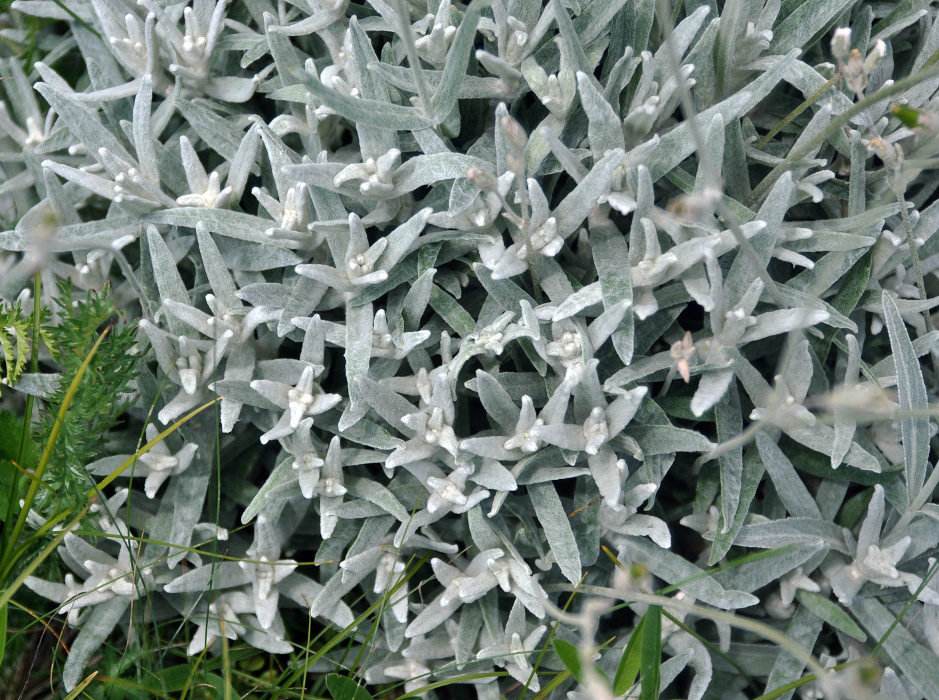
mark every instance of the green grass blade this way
{"type": "Point", "coordinates": [650, 653]}
{"type": "Point", "coordinates": [190, 679]}
{"type": "Point", "coordinates": [335, 641]}
{"type": "Point", "coordinates": [226, 666]}
{"type": "Point", "coordinates": [552, 685]}
{"type": "Point", "coordinates": [4, 611]}
{"type": "Point", "coordinates": [79, 689]}
{"type": "Point", "coordinates": [7, 593]}
{"type": "Point", "coordinates": [628, 668]}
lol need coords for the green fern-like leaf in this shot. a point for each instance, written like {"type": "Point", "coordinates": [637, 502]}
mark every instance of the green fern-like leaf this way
{"type": "Point", "coordinates": [14, 342]}
{"type": "Point", "coordinates": [98, 405]}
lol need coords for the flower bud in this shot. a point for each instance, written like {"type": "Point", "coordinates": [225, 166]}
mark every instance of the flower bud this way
{"type": "Point", "coordinates": [483, 180]}
{"type": "Point", "coordinates": [873, 58]}
{"type": "Point", "coordinates": [841, 42]}
{"type": "Point", "coordinates": [853, 71]}
{"type": "Point", "coordinates": [890, 153]}
{"type": "Point", "coordinates": [514, 134]}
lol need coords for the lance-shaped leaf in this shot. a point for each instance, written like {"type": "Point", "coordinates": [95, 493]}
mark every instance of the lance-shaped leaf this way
{"type": "Point", "coordinates": [576, 206]}
{"type": "Point", "coordinates": [914, 427]}
{"type": "Point", "coordinates": [557, 529]}
{"type": "Point", "coordinates": [454, 69]}
{"type": "Point", "coordinates": [385, 115]}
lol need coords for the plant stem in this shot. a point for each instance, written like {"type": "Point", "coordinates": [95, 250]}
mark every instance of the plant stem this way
{"type": "Point", "coordinates": [808, 102]}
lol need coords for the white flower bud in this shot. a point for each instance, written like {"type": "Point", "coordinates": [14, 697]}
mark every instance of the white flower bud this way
{"type": "Point", "coordinates": [841, 42]}
{"type": "Point", "coordinates": [873, 58]}
{"type": "Point", "coordinates": [853, 71]}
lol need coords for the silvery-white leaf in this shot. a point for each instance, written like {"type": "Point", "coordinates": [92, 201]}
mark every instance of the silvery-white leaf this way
{"type": "Point", "coordinates": [379, 495]}
{"type": "Point", "coordinates": [84, 124]}
{"type": "Point", "coordinates": [386, 403]}
{"type": "Point", "coordinates": [224, 222]}
{"type": "Point", "coordinates": [831, 613]}
{"type": "Point", "coordinates": [445, 97]}
{"type": "Point", "coordinates": [777, 533]}
{"type": "Point", "coordinates": [451, 312]}
{"type": "Point", "coordinates": [493, 475]}
{"type": "Point", "coordinates": [38, 384]}
{"type": "Point", "coordinates": [102, 619]}
{"type": "Point", "coordinates": [365, 112]}
{"type": "Point", "coordinates": [255, 257]}
{"type": "Point", "coordinates": [223, 287]}
{"type": "Point", "coordinates": [678, 144]}
{"type": "Point", "coordinates": [143, 137]}
{"type": "Point", "coordinates": [279, 487]}
{"type": "Point", "coordinates": [358, 344]}
{"type": "Point", "coordinates": [605, 129]}
{"type": "Point", "coordinates": [216, 131]}
{"type": "Point", "coordinates": [226, 574]}
{"type": "Point", "coordinates": [751, 576]}
{"type": "Point", "coordinates": [728, 419]}
{"type": "Point", "coordinates": [789, 487]}
{"type": "Point", "coordinates": [916, 663]}
{"type": "Point", "coordinates": [675, 569]}
{"type": "Point", "coordinates": [914, 429]}
{"type": "Point", "coordinates": [663, 439]}
{"type": "Point", "coordinates": [574, 208]}
{"type": "Point", "coordinates": [844, 424]}
{"type": "Point", "coordinates": [611, 256]}
{"type": "Point", "coordinates": [803, 629]}
{"type": "Point", "coordinates": [821, 438]}
{"type": "Point", "coordinates": [783, 321]}
{"type": "Point", "coordinates": [504, 291]}
{"type": "Point", "coordinates": [711, 388]}
{"type": "Point", "coordinates": [557, 529]}
{"type": "Point", "coordinates": [809, 18]}
{"type": "Point", "coordinates": [167, 277]}
{"type": "Point", "coordinates": [578, 301]}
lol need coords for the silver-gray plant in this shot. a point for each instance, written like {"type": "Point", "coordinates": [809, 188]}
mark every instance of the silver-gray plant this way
{"type": "Point", "coordinates": [502, 286]}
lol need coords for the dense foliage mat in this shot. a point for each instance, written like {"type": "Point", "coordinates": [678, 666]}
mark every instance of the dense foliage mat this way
{"type": "Point", "coordinates": [473, 349]}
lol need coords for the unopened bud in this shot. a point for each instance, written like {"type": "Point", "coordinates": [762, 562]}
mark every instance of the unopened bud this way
{"type": "Point", "coordinates": [487, 182]}
{"type": "Point", "coordinates": [853, 71]}
{"type": "Point", "coordinates": [890, 153]}
{"type": "Point", "coordinates": [873, 58]}
{"type": "Point", "coordinates": [841, 43]}
{"type": "Point", "coordinates": [515, 164]}
{"type": "Point", "coordinates": [514, 134]}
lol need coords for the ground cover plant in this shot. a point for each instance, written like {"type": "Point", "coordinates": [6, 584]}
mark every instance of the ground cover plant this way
{"type": "Point", "coordinates": [509, 348]}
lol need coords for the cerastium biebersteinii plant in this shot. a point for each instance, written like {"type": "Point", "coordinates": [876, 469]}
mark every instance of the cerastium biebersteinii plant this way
{"type": "Point", "coordinates": [571, 348]}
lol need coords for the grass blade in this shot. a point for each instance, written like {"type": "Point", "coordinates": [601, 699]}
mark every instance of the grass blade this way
{"type": "Point", "coordinates": [77, 691]}
{"type": "Point", "coordinates": [650, 654]}
{"type": "Point", "coordinates": [629, 662]}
